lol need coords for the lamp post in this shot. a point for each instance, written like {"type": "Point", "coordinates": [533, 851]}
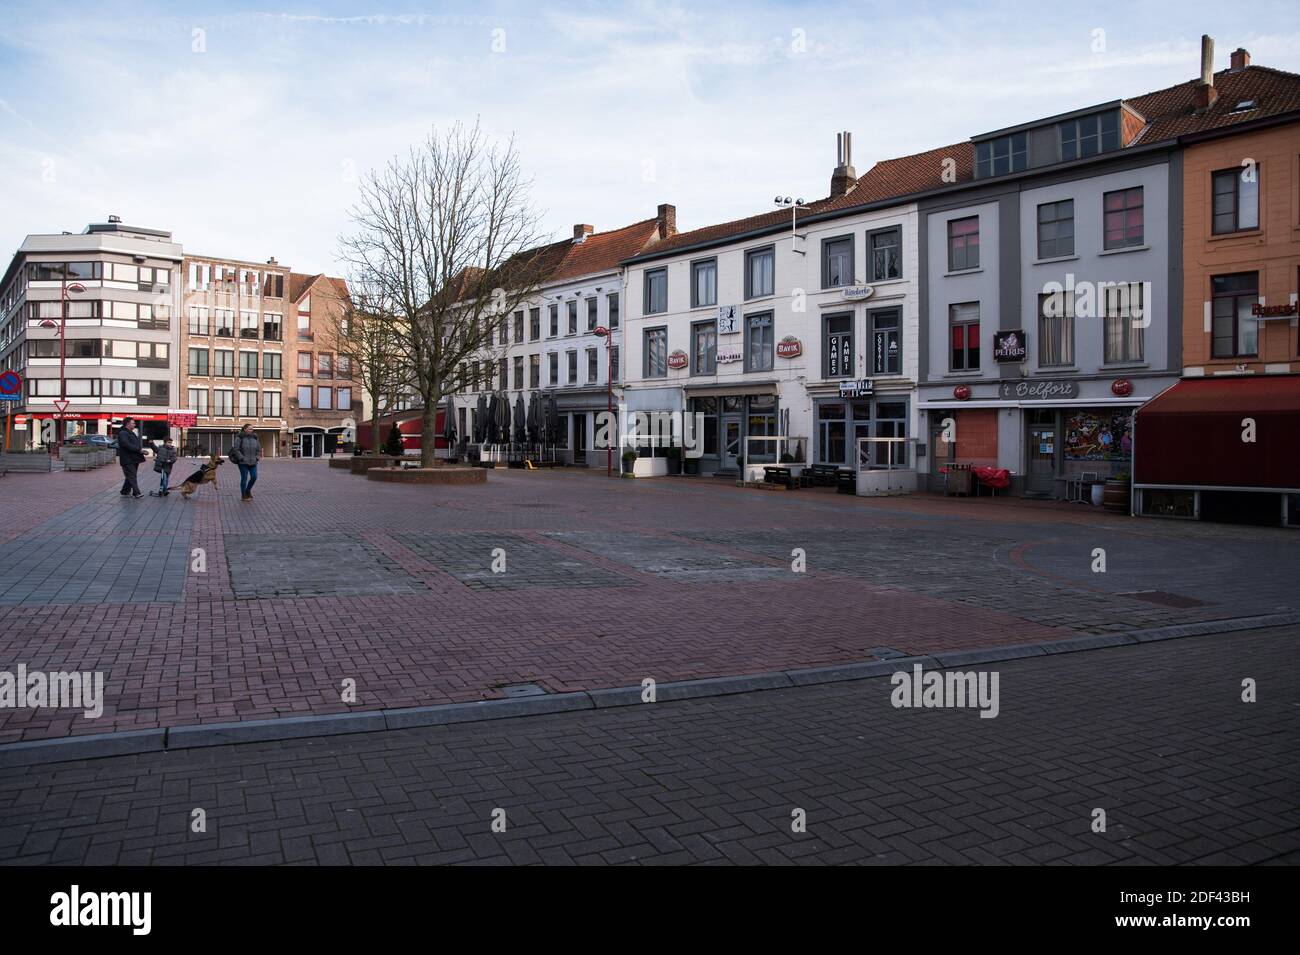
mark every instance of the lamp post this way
{"type": "Point", "coordinates": [75, 288]}
{"type": "Point", "coordinates": [794, 205]}
{"type": "Point", "coordinates": [602, 332]}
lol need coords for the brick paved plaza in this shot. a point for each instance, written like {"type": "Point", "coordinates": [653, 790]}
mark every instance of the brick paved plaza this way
{"type": "Point", "coordinates": [328, 577]}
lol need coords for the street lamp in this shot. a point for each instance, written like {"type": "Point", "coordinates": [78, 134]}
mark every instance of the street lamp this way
{"type": "Point", "coordinates": [76, 288]}
{"type": "Point", "coordinates": [602, 332]}
{"type": "Point", "coordinates": [794, 205]}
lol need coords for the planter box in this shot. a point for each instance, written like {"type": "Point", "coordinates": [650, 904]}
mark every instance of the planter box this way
{"type": "Point", "coordinates": [650, 467]}
{"type": "Point", "coordinates": [442, 475]}
{"type": "Point", "coordinates": [22, 461]}
{"type": "Point", "coordinates": [886, 483]}
{"type": "Point", "coordinates": [364, 462]}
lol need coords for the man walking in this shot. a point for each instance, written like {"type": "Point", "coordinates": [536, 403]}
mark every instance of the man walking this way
{"type": "Point", "coordinates": [246, 452]}
{"type": "Point", "coordinates": [130, 453]}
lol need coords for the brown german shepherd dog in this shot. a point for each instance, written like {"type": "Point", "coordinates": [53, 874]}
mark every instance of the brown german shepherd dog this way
{"type": "Point", "coordinates": [207, 474]}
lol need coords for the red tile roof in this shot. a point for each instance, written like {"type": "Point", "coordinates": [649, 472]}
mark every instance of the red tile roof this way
{"type": "Point", "coordinates": [300, 283]}
{"type": "Point", "coordinates": [603, 251]}
{"type": "Point", "coordinates": [1168, 113]}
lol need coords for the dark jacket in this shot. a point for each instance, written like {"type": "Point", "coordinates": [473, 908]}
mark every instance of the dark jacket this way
{"type": "Point", "coordinates": [129, 448]}
{"type": "Point", "coordinates": [164, 458]}
{"type": "Point", "coordinates": [246, 449]}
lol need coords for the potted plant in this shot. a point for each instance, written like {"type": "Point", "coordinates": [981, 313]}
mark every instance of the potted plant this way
{"type": "Point", "coordinates": [1118, 493]}
{"type": "Point", "coordinates": [674, 456]}
{"type": "Point", "coordinates": [629, 459]}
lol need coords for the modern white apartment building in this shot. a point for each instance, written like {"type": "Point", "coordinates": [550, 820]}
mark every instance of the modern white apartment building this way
{"type": "Point", "coordinates": [116, 288]}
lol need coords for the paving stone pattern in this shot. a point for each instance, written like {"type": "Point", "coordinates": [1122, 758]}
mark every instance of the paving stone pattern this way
{"type": "Point", "coordinates": [311, 566]}
{"type": "Point", "coordinates": [470, 558]}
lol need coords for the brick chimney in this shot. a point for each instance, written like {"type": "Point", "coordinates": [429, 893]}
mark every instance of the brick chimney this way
{"type": "Point", "coordinates": [667, 216]}
{"type": "Point", "coordinates": [581, 231]}
{"type": "Point", "coordinates": [845, 177]}
{"type": "Point", "coordinates": [1240, 58]}
{"type": "Point", "coordinates": [1206, 94]}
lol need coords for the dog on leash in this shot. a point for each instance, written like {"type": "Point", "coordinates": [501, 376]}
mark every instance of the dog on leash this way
{"type": "Point", "coordinates": [207, 474]}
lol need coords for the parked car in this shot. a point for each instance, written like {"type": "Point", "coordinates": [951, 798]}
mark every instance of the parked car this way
{"type": "Point", "coordinates": [99, 442]}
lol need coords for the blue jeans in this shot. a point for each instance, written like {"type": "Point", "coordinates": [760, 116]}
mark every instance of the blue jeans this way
{"type": "Point", "coordinates": [163, 477]}
{"type": "Point", "coordinates": [247, 478]}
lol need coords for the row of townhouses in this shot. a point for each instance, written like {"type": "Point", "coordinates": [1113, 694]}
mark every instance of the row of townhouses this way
{"type": "Point", "coordinates": [1009, 301]}
{"type": "Point", "coordinates": [192, 346]}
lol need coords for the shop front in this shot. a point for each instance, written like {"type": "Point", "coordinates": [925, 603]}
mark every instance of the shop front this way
{"type": "Point", "coordinates": [839, 422]}
{"type": "Point", "coordinates": [724, 421]}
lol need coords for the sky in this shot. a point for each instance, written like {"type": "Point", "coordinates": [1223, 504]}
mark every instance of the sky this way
{"type": "Point", "coordinates": [245, 128]}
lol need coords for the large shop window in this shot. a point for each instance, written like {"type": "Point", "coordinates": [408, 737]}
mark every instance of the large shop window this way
{"type": "Point", "coordinates": [1099, 434]}
{"type": "Point", "coordinates": [964, 332]}
{"type": "Point", "coordinates": [759, 342]}
{"type": "Point", "coordinates": [886, 342]}
{"type": "Point", "coordinates": [1235, 329]}
{"type": "Point", "coordinates": [1056, 329]}
{"type": "Point", "coordinates": [707, 409]}
{"type": "Point", "coordinates": [838, 353]}
{"type": "Point", "coordinates": [891, 422]}
{"type": "Point", "coordinates": [762, 423]}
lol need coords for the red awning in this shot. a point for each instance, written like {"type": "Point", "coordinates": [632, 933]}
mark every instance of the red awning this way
{"type": "Point", "coordinates": [1192, 435]}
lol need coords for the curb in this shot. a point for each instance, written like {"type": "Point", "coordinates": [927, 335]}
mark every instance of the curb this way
{"type": "Point", "coordinates": [129, 742]}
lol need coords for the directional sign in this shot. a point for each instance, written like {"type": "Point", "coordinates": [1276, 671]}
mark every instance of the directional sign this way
{"type": "Point", "coordinates": [11, 383]}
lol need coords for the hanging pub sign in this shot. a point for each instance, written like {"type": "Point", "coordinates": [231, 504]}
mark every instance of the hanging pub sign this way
{"type": "Point", "coordinates": [855, 387]}
{"type": "Point", "coordinates": [789, 347]}
{"type": "Point", "coordinates": [678, 359]}
{"type": "Point", "coordinates": [1274, 311]}
{"type": "Point", "coordinates": [1009, 345]}
{"type": "Point", "coordinates": [1040, 390]}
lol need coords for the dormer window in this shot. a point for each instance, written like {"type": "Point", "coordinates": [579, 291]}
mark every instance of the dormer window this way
{"type": "Point", "coordinates": [997, 157]}
{"type": "Point", "coordinates": [1088, 136]}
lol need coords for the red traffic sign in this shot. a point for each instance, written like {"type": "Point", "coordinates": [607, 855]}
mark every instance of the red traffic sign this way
{"type": "Point", "coordinates": [11, 383]}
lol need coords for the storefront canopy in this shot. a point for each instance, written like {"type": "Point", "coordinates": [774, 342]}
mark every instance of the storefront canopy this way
{"type": "Point", "coordinates": [1226, 432]}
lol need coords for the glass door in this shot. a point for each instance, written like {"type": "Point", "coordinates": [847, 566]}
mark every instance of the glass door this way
{"type": "Point", "coordinates": [1043, 446]}
{"type": "Point", "coordinates": [731, 446]}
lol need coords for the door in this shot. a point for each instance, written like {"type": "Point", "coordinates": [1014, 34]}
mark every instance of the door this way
{"type": "Point", "coordinates": [1043, 445]}
{"type": "Point", "coordinates": [731, 444]}
{"type": "Point", "coordinates": [580, 439]}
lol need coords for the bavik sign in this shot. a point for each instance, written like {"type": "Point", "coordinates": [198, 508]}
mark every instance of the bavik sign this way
{"type": "Point", "coordinates": [678, 359]}
{"type": "Point", "coordinates": [789, 347]}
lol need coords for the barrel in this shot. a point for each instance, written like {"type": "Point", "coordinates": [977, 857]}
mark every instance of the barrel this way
{"type": "Point", "coordinates": [1116, 497]}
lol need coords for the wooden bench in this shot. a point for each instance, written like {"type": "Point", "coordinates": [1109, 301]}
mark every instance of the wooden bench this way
{"type": "Point", "coordinates": [776, 474]}
{"type": "Point", "coordinates": [824, 475]}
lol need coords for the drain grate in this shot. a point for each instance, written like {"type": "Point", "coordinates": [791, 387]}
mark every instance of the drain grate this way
{"type": "Point", "coordinates": [523, 689]}
{"type": "Point", "coordinates": [1163, 598]}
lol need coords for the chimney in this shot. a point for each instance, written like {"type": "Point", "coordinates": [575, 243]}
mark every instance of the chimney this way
{"type": "Point", "coordinates": [271, 261]}
{"type": "Point", "coordinates": [844, 178]}
{"type": "Point", "coordinates": [115, 219]}
{"type": "Point", "coordinates": [1205, 93]}
{"type": "Point", "coordinates": [1240, 58]}
{"type": "Point", "coordinates": [667, 216]}
{"type": "Point", "coordinates": [581, 231]}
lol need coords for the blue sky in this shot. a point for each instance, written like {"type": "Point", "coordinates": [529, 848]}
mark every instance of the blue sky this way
{"type": "Point", "coordinates": [246, 139]}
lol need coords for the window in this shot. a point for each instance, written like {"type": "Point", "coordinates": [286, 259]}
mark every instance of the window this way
{"type": "Point", "coordinates": [344, 399]}
{"type": "Point", "coordinates": [223, 362]}
{"type": "Point", "coordinates": [572, 315]}
{"type": "Point", "coordinates": [886, 251]}
{"type": "Point", "coordinates": [760, 272]}
{"type": "Point", "coordinates": [271, 324]}
{"type": "Point", "coordinates": [225, 323]}
{"type": "Point", "coordinates": [534, 371]}
{"type": "Point", "coordinates": [344, 369]}
{"type": "Point", "coordinates": [503, 375]}
{"type": "Point", "coordinates": [656, 291]}
{"type": "Point", "coordinates": [534, 324]}
{"type": "Point", "coordinates": [656, 353]}
{"type": "Point", "coordinates": [837, 350]}
{"type": "Point", "coordinates": [199, 400]}
{"type": "Point", "coordinates": [611, 303]}
{"type": "Point", "coordinates": [271, 365]}
{"type": "Point", "coordinates": [304, 364]}
{"type": "Point", "coordinates": [1089, 135]}
{"type": "Point", "coordinates": [1123, 218]}
{"type": "Point", "coordinates": [325, 366]}
{"type": "Point", "coordinates": [504, 338]}
{"type": "Point", "coordinates": [591, 314]}
{"type": "Point", "coordinates": [198, 361]}
{"type": "Point", "coordinates": [248, 404]}
{"type": "Point", "coordinates": [553, 368]}
{"type": "Point", "coordinates": [613, 363]}
{"type": "Point", "coordinates": [704, 283]}
{"type": "Point", "coordinates": [964, 244]}
{"type": "Point", "coordinates": [519, 373]}
{"type": "Point", "coordinates": [248, 364]}
{"type": "Point", "coordinates": [1235, 330]}
{"type": "Point", "coordinates": [571, 361]}
{"type": "Point", "coordinates": [1124, 321]}
{"type": "Point", "coordinates": [519, 325]}
{"type": "Point", "coordinates": [304, 325]}
{"type": "Point", "coordinates": [198, 320]}
{"type": "Point", "coordinates": [891, 422]}
{"type": "Point", "coordinates": [593, 366]}
{"type": "Point", "coordinates": [223, 402]}
{"type": "Point", "coordinates": [837, 262]}
{"type": "Point", "coordinates": [304, 397]}
{"type": "Point", "coordinates": [248, 324]}
{"type": "Point", "coordinates": [1236, 199]}
{"type": "Point", "coordinates": [704, 348]}
{"type": "Point", "coordinates": [886, 342]}
{"type": "Point", "coordinates": [1055, 329]}
{"type": "Point", "coordinates": [759, 342]}
{"type": "Point", "coordinates": [997, 157]}
{"type": "Point", "coordinates": [325, 398]}
{"type": "Point", "coordinates": [964, 331]}
{"type": "Point", "coordinates": [555, 320]}
{"type": "Point", "coordinates": [1056, 229]}
{"type": "Point", "coordinates": [270, 404]}
{"type": "Point", "coordinates": [273, 284]}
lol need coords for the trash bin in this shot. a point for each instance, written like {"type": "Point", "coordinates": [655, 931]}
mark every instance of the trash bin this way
{"type": "Point", "coordinates": [846, 481]}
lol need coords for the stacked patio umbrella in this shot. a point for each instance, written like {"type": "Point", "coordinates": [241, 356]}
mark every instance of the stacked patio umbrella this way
{"type": "Point", "coordinates": [521, 430]}
{"type": "Point", "coordinates": [480, 420]}
{"type": "Point", "coordinates": [501, 419]}
{"type": "Point", "coordinates": [449, 428]}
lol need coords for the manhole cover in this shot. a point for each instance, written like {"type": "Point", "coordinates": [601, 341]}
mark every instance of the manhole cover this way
{"type": "Point", "coordinates": [1164, 599]}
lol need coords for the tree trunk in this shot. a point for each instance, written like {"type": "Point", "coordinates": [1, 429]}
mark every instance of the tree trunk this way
{"type": "Point", "coordinates": [429, 434]}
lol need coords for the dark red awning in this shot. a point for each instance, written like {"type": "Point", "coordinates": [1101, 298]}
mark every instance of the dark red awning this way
{"type": "Point", "coordinates": [1191, 435]}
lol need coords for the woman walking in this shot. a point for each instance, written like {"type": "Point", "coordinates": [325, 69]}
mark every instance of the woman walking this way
{"type": "Point", "coordinates": [246, 452]}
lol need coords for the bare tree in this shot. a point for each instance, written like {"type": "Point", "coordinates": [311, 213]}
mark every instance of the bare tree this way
{"type": "Point", "coordinates": [445, 243]}
{"type": "Point", "coordinates": [370, 343]}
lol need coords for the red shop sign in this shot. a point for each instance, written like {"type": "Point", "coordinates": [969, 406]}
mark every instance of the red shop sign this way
{"type": "Point", "coordinates": [678, 359]}
{"type": "Point", "coordinates": [789, 347]}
